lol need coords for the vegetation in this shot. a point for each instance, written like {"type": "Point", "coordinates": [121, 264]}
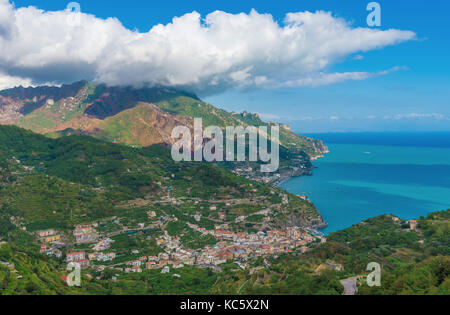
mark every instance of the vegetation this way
{"type": "Point", "coordinates": [57, 183]}
{"type": "Point", "coordinates": [413, 262]}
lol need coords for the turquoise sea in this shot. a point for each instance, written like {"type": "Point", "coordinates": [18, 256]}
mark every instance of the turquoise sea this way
{"type": "Point", "coordinates": [366, 175]}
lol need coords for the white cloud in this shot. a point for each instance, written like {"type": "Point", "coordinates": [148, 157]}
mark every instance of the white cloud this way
{"type": "Point", "coordinates": [209, 55]}
{"type": "Point", "coordinates": [321, 78]}
{"type": "Point", "coordinates": [270, 116]}
{"type": "Point", "coordinates": [435, 116]}
{"type": "Point", "coordinates": [8, 81]}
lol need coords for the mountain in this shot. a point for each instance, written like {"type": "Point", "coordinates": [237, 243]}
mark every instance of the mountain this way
{"type": "Point", "coordinates": [73, 181]}
{"type": "Point", "coordinates": [56, 183]}
{"type": "Point", "coordinates": [413, 261]}
{"type": "Point", "coordinates": [137, 117]}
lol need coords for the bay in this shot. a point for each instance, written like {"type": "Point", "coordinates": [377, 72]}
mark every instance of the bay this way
{"type": "Point", "coordinates": [408, 177]}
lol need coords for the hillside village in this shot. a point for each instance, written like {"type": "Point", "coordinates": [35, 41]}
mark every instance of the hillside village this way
{"type": "Point", "coordinates": [238, 247]}
{"type": "Point", "coordinates": [172, 232]}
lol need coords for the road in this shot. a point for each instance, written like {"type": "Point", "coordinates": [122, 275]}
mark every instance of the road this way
{"type": "Point", "coordinates": [350, 287]}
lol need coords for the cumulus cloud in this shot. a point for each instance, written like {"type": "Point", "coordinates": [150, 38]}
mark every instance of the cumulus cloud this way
{"type": "Point", "coordinates": [207, 56]}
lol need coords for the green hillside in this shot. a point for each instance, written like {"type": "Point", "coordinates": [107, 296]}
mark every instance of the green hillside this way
{"type": "Point", "coordinates": [95, 109]}
{"type": "Point", "coordinates": [408, 266]}
{"type": "Point", "coordinates": [413, 262]}
{"type": "Point", "coordinates": [63, 181]}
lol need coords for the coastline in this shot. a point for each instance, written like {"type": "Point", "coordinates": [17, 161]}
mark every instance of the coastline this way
{"type": "Point", "coordinates": [284, 177]}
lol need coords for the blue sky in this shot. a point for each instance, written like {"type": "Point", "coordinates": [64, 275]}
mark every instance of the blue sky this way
{"type": "Point", "coordinates": [415, 97]}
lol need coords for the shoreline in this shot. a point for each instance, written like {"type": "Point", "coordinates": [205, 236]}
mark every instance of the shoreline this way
{"type": "Point", "coordinates": [286, 177]}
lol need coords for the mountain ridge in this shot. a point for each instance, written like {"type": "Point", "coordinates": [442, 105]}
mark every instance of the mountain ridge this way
{"type": "Point", "coordinates": [54, 110]}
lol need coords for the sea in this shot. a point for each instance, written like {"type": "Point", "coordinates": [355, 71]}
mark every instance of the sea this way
{"type": "Point", "coordinates": [369, 174]}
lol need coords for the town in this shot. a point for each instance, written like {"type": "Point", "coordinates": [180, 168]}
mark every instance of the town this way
{"type": "Point", "coordinates": [239, 247]}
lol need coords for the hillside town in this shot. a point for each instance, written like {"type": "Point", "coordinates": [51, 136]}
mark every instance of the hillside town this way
{"type": "Point", "coordinates": [237, 247]}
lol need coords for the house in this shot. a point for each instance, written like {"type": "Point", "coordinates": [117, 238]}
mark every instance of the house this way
{"type": "Point", "coordinates": [152, 258]}
{"type": "Point", "coordinates": [177, 265]}
{"type": "Point", "coordinates": [103, 244]}
{"type": "Point", "coordinates": [413, 225]}
{"type": "Point", "coordinates": [85, 238]}
{"type": "Point", "coordinates": [151, 265]}
{"type": "Point", "coordinates": [225, 255]}
{"type": "Point", "coordinates": [54, 252]}
{"type": "Point", "coordinates": [10, 266]}
{"type": "Point", "coordinates": [166, 269]}
{"type": "Point", "coordinates": [136, 269]}
{"type": "Point", "coordinates": [84, 263]}
{"type": "Point", "coordinates": [163, 256]}
{"type": "Point", "coordinates": [224, 234]}
{"type": "Point", "coordinates": [45, 233]}
{"type": "Point", "coordinates": [43, 249]}
{"type": "Point", "coordinates": [52, 238]}
{"type": "Point", "coordinates": [75, 257]}
{"type": "Point", "coordinates": [241, 235]}
{"type": "Point", "coordinates": [334, 266]}
{"type": "Point", "coordinates": [163, 263]}
{"type": "Point", "coordinates": [85, 234]}
{"type": "Point", "coordinates": [221, 226]}
{"type": "Point", "coordinates": [136, 263]}
{"type": "Point", "coordinates": [197, 217]}
{"type": "Point", "coordinates": [102, 256]}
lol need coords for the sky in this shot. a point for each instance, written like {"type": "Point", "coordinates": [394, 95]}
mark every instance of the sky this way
{"type": "Point", "coordinates": [315, 65]}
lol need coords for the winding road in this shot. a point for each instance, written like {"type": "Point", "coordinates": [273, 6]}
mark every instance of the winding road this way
{"type": "Point", "coordinates": [350, 287]}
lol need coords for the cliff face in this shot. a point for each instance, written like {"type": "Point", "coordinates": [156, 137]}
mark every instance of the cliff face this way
{"type": "Point", "coordinates": [319, 149]}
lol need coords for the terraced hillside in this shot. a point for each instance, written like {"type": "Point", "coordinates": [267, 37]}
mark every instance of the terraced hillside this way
{"type": "Point", "coordinates": [62, 182]}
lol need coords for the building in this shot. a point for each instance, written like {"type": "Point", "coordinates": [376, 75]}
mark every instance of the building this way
{"type": "Point", "coordinates": [333, 266]}
{"type": "Point", "coordinates": [84, 263]}
{"type": "Point", "coordinates": [43, 249]}
{"type": "Point", "coordinates": [166, 269]}
{"type": "Point", "coordinates": [85, 234]}
{"type": "Point", "coordinates": [135, 263]}
{"type": "Point", "coordinates": [151, 265]}
{"type": "Point", "coordinates": [75, 257]}
{"type": "Point", "coordinates": [136, 269]}
{"type": "Point", "coordinates": [45, 233]}
{"type": "Point", "coordinates": [52, 238]}
{"type": "Point", "coordinates": [413, 225]}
